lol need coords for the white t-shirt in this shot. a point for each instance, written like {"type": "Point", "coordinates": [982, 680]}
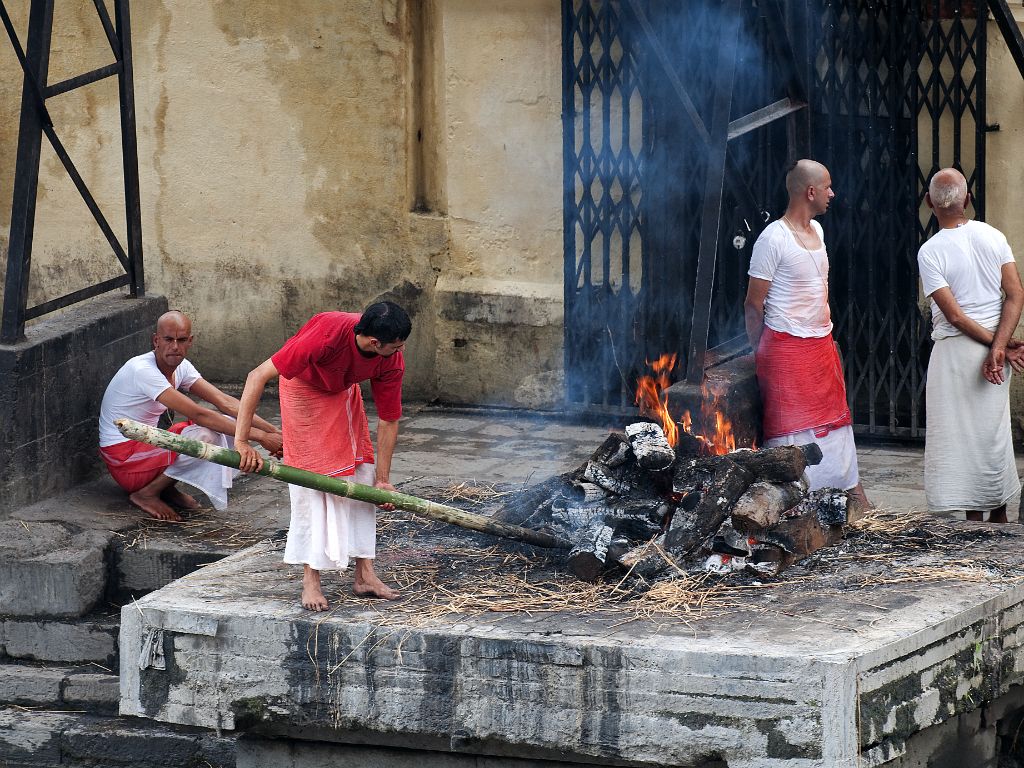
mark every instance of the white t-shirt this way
{"type": "Point", "coordinates": [797, 300]}
{"type": "Point", "coordinates": [969, 261]}
{"type": "Point", "coordinates": [133, 393]}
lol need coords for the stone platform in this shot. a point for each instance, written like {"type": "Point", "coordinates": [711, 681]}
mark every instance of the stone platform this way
{"type": "Point", "coordinates": [479, 671]}
{"type": "Point", "coordinates": [835, 665]}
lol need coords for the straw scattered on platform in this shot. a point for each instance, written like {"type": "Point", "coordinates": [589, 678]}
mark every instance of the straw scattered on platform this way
{"type": "Point", "coordinates": [470, 582]}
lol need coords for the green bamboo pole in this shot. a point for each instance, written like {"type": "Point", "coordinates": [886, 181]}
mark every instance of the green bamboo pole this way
{"type": "Point", "coordinates": [338, 486]}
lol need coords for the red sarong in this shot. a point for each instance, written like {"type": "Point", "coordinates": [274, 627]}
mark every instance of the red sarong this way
{"type": "Point", "coordinates": [802, 385]}
{"type": "Point", "coordinates": [134, 465]}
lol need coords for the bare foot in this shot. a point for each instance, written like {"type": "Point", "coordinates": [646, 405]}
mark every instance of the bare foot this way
{"type": "Point", "coordinates": [998, 515]}
{"type": "Point", "coordinates": [179, 499]}
{"type": "Point", "coordinates": [154, 506]}
{"type": "Point", "coordinates": [372, 586]}
{"type": "Point", "coordinates": [312, 594]}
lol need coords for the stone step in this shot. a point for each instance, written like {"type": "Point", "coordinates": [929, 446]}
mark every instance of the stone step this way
{"type": "Point", "coordinates": [87, 689]}
{"type": "Point", "coordinates": [137, 570]}
{"type": "Point", "coordinates": [38, 739]}
{"type": "Point", "coordinates": [51, 569]}
{"type": "Point", "coordinates": [89, 639]}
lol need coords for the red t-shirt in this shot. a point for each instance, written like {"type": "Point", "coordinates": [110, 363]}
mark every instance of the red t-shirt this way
{"type": "Point", "coordinates": [324, 355]}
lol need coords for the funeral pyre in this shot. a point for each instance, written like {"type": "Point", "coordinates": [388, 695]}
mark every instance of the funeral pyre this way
{"type": "Point", "coordinates": [656, 498]}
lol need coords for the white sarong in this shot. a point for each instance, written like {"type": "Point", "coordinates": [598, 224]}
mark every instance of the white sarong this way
{"type": "Point", "coordinates": [212, 479]}
{"type": "Point", "coordinates": [838, 467]}
{"type": "Point", "coordinates": [326, 531]}
{"type": "Point", "coordinates": [968, 450]}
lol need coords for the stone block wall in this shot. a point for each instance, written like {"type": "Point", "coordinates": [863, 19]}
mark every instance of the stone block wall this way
{"type": "Point", "coordinates": [51, 386]}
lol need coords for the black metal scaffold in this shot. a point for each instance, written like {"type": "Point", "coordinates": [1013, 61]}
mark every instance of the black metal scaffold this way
{"type": "Point", "coordinates": [35, 123]}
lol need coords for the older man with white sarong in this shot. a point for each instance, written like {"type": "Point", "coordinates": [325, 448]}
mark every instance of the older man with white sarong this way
{"type": "Point", "coordinates": [789, 325]}
{"type": "Point", "coordinates": [144, 389]}
{"type": "Point", "coordinates": [969, 273]}
{"type": "Point", "coordinates": [326, 431]}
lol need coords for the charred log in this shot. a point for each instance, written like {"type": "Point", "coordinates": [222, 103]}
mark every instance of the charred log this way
{"type": "Point", "coordinates": [689, 445]}
{"type": "Point", "coordinates": [650, 446]}
{"type": "Point", "coordinates": [601, 475]}
{"type": "Point", "coordinates": [524, 507]}
{"type": "Point", "coordinates": [781, 464]}
{"type": "Point", "coordinates": [637, 519]}
{"type": "Point", "coordinates": [828, 504]}
{"type": "Point", "coordinates": [575, 517]}
{"type": "Point", "coordinates": [614, 451]}
{"type": "Point", "coordinates": [689, 529]}
{"type": "Point", "coordinates": [589, 551]}
{"type": "Point", "coordinates": [801, 536]}
{"type": "Point", "coordinates": [764, 503]}
{"type": "Point", "coordinates": [645, 561]}
{"type": "Point", "coordinates": [692, 479]}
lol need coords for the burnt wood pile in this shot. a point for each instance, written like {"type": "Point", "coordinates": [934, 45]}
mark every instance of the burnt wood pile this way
{"type": "Point", "coordinates": [639, 504]}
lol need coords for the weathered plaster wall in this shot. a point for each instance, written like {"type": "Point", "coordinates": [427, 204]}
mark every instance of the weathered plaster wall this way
{"type": "Point", "coordinates": [500, 295]}
{"type": "Point", "coordinates": [303, 156]}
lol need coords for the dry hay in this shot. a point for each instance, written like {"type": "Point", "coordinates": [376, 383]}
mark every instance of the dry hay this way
{"type": "Point", "coordinates": [470, 493]}
{"type": "Point", "coordinates": [201, 528]}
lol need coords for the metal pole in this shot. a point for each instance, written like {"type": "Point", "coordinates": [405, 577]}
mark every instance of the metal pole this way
{"type": "Point", "coordinates": [713, 189]}
{"type": "Point", "coordinates": [129, 150]}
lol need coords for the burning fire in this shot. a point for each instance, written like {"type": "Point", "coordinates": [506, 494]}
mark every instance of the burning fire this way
{"type": "Point", "coordinates": [652, 399]}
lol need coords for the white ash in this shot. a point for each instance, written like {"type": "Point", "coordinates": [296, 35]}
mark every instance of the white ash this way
{"type": "Point", "coordinates": [599, 475]}
{"type": "Point", "coordinates": [593, 540]}
{"type": "Point", "coordinates": [591, 492]}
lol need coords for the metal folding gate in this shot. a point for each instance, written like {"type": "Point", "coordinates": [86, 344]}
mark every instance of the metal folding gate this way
{"type": "Point", "coordinates": [884, 92]}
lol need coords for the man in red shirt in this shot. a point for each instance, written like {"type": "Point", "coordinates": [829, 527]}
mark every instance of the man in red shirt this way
{"type": "Point", "coordinates": [326, 431]}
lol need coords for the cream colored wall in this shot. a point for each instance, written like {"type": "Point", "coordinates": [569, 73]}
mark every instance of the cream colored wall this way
{"type": "Point", "coordinates": [500, 297]}
{"type": "Point", "coordinates": [283, 148]}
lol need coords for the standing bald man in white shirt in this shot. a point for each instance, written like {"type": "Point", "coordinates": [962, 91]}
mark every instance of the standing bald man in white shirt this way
{"type": "Point", "coordinates": [969, 273]}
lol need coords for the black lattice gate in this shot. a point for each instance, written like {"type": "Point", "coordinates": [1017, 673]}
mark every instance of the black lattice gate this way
{"type": "Point", "coordinates": [898, 92]}
{"type": "Point", "coordinates": [883, 92]}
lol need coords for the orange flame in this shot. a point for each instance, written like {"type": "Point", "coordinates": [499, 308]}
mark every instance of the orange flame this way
{"type": "Point", "coordinates": [722, 440]}
{"type": "Point", "coordinates": [653, 401]}
{"type": "Point", "coordinates": [652, 397]}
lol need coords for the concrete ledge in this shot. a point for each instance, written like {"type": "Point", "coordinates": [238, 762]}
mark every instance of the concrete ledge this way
{"type": "Point", "coordinates": [494, 337]}
{"type": "Point", "coordinates": [51, 385]}
{"type": "Point", "coordinates": [139, 570]}
{"type": "Point", "coordinates": [762, 690]}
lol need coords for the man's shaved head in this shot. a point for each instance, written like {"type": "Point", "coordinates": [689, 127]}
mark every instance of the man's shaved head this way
{"type": "Point", "coordinates": [948, 191]}
{"type": "Point", "coordinates": [803, 175]}
{"type": "Point", "coordinates": [175, 318]}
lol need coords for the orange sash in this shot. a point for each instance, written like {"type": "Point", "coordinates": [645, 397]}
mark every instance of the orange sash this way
{"type": "Point", "coordinates": [325, 432]}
